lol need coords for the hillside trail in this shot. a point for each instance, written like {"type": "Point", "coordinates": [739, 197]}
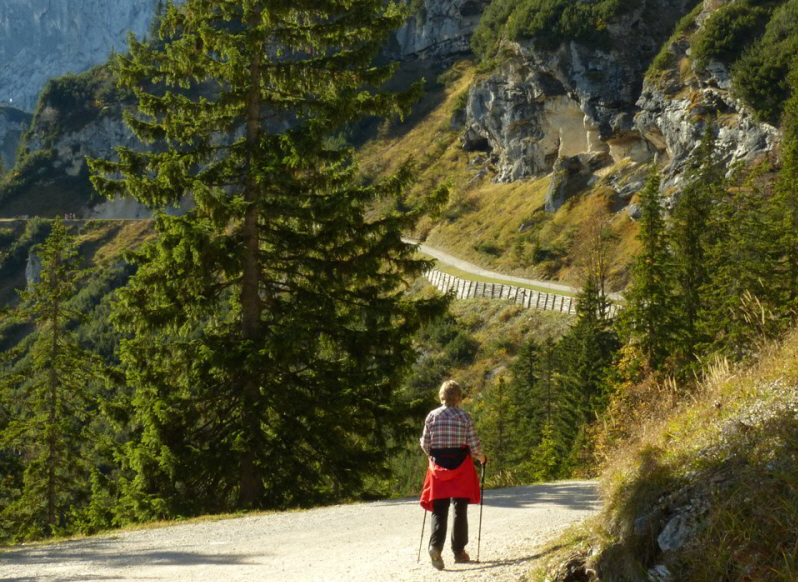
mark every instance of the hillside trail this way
{"type": "Point", "coordinates": [363, 542]}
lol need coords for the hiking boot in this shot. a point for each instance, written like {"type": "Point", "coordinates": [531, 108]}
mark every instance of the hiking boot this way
{"type": "Point", "coordinates": [462, 557]}
{"type": "Point", "coordinates": [437, 561]}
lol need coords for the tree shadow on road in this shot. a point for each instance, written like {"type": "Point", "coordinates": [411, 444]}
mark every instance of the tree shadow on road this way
{"type": "Point", "coordinates": [104, 553]}
{"type": "Point", "coordinates": [571, 494]}
{"type": "Point", "coordinates": [492, 564]}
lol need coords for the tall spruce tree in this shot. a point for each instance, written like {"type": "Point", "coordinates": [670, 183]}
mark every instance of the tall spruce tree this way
{"type": "Point", "coordinates": [47, 400]}
{"type": "Point", "coordinates": [689, 237]}
{"type": "Point", "coordinates": [740, 300]}
{"type": "Point", "coordinates": [497, 418]}
{"type": "Point", "coordinates": [785, 204]}
{"type": "Point", "coordinates": [269, 325]}
{"type": "Point", "coordinates": [588, 349]}
{"type": "Point", "coordinates": [648, 320]}
{"type": "Point", "coordinates": [543, 406]}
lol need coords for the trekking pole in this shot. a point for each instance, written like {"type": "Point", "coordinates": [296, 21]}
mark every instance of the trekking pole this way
{"type": "Point", "coordinates": [481, 499]}
{"type": "Point", "coordinates": [421, 542]}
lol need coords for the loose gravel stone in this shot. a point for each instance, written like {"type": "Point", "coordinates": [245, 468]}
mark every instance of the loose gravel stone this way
{"type": "Point", "coordinates": [348, 543]}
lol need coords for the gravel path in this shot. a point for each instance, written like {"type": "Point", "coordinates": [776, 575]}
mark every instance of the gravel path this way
{"type": "Point", "coordinates": [370, 542]}
{"type": "Point", "coordinates": [452, 261]}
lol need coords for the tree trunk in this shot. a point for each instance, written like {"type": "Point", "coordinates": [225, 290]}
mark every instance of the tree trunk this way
{"type": "Point", "coordinates": [53, 413]}
{"type": "Point", "coordinates": [251, 307]}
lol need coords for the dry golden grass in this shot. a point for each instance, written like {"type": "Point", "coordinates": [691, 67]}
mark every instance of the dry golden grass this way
{"type": "Point", "coordinates": [483, 219]}
{"type": "Point", "coordinates": [729, 439]}
{"type": "Point", "coordinates": [431, 142]}
{"type": "Point", "coordinates": [130, 234]}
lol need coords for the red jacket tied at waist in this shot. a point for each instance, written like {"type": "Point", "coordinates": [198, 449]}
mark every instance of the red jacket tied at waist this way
{"type": "Point", "coordinates": [441, 483]}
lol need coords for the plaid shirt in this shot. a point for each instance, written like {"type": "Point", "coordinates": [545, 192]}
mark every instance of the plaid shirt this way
{"type": "Point", "coordinates": [449, 427]}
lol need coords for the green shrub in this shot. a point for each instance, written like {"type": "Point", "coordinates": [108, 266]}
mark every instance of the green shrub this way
{"type": "Point", "coordinates": [462, 349]}
{"type": "Point", "coordinates": [760, 75]}
{"type": "Point", "coordinates": [488, 248]}
{"type": "Point", "coordinates": [728, 31]}
{"type": "Point", "coordinates": [664, 59]}
{"type": "Point", "coordinates": [548, 22]}
{"type": "Point", "coordinates": [70, 102]}
{"type": "Point", "coordinates": [28, 169]}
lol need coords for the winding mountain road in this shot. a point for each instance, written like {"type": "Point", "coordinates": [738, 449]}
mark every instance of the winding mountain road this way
{"type": "Point", "coordinates": [452, 261]}
{"type": "Point", "coordinates": [361, 542]}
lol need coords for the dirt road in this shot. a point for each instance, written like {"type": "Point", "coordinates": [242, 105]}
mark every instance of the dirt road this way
{"type": "Point", "coordinates": [348, 543]}
{"type": "Point", "coordinates": [447, 259]}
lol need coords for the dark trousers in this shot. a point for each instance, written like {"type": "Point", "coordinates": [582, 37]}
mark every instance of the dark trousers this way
{"type": "Point", "coordinates": [440, 515]}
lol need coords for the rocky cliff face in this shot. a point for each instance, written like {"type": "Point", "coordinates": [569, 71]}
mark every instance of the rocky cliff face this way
{"type": "Point", "coordinates": [439, 29]}
{"type": "Point", "coordinates": [43, 39]}
{"type": "Point", "coordinates": [672, 110]}
{"type": "Point", "coordinates": [542, 104]}
{"type": "Point", "coordinates": [579, 101]}
{"type": "Point", "coordinates": [13, 123]}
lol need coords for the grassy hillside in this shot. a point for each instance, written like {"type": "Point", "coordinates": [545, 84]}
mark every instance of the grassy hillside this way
{"type": "Point", "coordinates": [101, 245]}
{"type": "Point", "coordinates": [500, 226]}
{"type": "Point", "coordinates": [718, 461]}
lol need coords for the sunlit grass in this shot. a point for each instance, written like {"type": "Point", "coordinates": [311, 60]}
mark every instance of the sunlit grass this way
{"type": "Point", "coordinates": [729, 442]}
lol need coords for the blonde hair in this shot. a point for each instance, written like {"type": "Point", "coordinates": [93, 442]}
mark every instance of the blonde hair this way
{"type": "Point", "coordinates": [450, 393]}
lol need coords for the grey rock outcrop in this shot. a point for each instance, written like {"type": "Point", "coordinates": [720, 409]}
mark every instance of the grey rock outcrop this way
{"type": "Point", "coordinates": [673, 114]}
{"type": "Point", "coordinates": [96, 139]}
{"type": "Point", "coordinates": [528, 119]}
{"type": "Point", "coordinates": [438, 29]}
{"type": "Point", "coordinates": [33, 268]}
{"type": "Point", "coordinates": [13, 122]}
{"type": "Point", "coordinates": [542, 105]}
{"type": "Point", "coordinates": [43, 39]}
{"type": "Point", "coordinates": [570, 176]}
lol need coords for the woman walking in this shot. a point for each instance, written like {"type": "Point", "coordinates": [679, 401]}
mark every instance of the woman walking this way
{"type": "Point", "coordinates": [451, 443]}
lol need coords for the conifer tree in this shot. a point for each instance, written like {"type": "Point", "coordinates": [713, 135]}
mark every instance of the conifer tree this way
{"type": "Point", "coordinates": [648, 318]}
{"type": "Point", "coordinates": [689, 239]}
{"type": "Point", "coordinates": [543, 406]}
{"type": "Point", "coordinates": [529, 379]}
{"type": "Point", "coordinates": [740, 299]}
{"type": "Point", "coordinates": [496, 423]}
{"type": "Point", "coordinates": [270, 330]}
{"type": "Point", "coordinates": [588, 349]}
{"type": "Point", "coordinates": [547, 457]}
{"type": "Point", "coordinates": [47, 399]}
{"type": "Point", "coordinates": [785, 204]}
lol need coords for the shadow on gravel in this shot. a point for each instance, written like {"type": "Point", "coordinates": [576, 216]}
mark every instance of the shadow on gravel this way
{"type": "Point", "coordinates": [104, 553]}
{"type": "Point", "coordinates": [491, 564]}
{"type": "Point", "coordinates": [577, 496]}
{"type": "Point", "coordinates": [70, 578]}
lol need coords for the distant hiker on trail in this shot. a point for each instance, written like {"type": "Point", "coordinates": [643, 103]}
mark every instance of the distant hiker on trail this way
{"type": "Point", "coordinates": [450, 442]}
